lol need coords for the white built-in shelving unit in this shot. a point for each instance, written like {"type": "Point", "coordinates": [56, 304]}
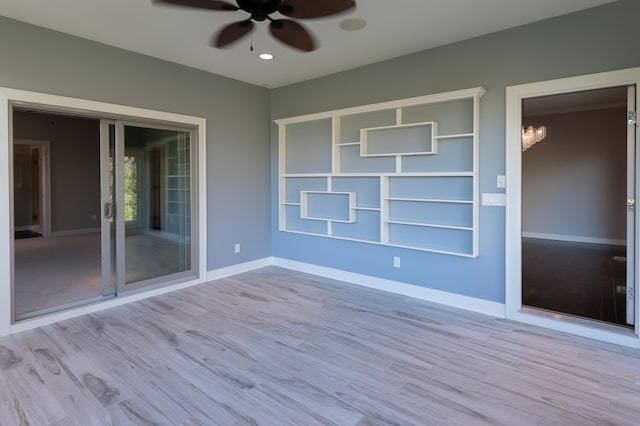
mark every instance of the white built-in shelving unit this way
{"type": "Point", "coordinates": [402, 173]}
{"type": "Point", "coordinates": [178, 185]}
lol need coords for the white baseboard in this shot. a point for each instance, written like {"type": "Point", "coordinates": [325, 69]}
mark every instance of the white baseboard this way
{"type": "Point", "coordinates": [216, 274]}
{"type": "Point", "coordinates": [575, 238]}
{"type": "Point", "coordinates": [482, 306]}
{"type": "Point", "coordinates": [75, 232]}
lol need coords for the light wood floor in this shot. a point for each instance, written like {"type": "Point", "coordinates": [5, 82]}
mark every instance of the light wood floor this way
{"type": "Point", "coordinates": [276, 347]}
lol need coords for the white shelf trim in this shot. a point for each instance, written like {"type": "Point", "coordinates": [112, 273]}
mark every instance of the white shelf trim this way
{"type": "Point", "coordinates": [430, 200]}
{"type": "Point", "coordinates": [390, 244]}
{"type": "Point", "coordinates": [476, 92]}
{"type": "Point", "coordinates": [458, 136]}
{"type": "Point", "coordinates": [364, 139]}
{"type": "Point", "coordinates": [408, 140]}
{"type": "Point", "coordinates": [430, 225]}
{"type": "Point", "coordinates": [376, 175]}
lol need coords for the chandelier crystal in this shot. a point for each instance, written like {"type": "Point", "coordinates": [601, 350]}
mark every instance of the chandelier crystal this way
{"type": "Point", "coordinates": [532, 135]}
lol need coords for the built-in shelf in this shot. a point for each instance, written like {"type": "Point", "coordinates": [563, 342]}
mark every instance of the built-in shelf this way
{"type": "Point", "coordinates": [459, 136]}
{"type": "Point", "coordinates": [429, 225]}
{"type": "Point", "coordinates": [401, 173]}
{"type": "Point", "coordinates": [431, 200]}
{"type": "Point", "coordinates": [177, 185]}
{"type": "Point", "coordinates": [399, 140]}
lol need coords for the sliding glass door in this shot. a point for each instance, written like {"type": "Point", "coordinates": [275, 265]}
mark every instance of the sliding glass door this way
{"type": "Point", "coordinates": [154, 232]}
{"type": "Point", "coordinates": [101, 207]}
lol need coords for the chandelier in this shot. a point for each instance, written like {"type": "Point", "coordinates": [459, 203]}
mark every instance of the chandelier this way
{"type": "Point", "coordinates": [532, 135]}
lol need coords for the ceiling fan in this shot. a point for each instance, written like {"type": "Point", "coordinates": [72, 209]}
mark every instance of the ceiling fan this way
{"type": "Point", "coordinates": [287, 31]}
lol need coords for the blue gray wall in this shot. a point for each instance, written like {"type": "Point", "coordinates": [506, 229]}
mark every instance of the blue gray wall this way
{"type": "Point", "coordinates": [593, 40]}
{"type": "Point", "coordinates": [237, 116]}
{"type": "Point", "coordinates": [239, 160]}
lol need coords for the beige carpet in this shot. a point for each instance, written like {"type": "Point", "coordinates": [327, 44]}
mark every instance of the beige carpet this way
{"type": "Point", "coordinates": [56, 271]}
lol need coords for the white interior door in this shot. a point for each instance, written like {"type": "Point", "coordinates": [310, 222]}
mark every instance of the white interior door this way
{"type": "Point", "coordinates": [632, 160]}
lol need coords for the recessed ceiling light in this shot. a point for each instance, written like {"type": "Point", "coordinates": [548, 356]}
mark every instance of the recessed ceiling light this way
{"type": "Point", "coordinates": [266, 56]}
{"type": "Point", "coordinates": [353, 24]}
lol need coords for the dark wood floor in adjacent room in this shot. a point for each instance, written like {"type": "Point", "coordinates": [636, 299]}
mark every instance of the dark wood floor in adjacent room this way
{"type": "Point", "coordinates": [579, 279]}
{"type": "Point", "coordinates": [276, 347]}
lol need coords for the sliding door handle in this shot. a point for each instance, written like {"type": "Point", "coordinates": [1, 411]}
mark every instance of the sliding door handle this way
{"type": "Point", "coordinates": [108, 210]}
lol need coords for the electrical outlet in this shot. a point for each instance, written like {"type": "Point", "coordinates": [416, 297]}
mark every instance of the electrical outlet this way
{"type": "Point", "coordinates": [396, 261]}
{"type": "Point", "coordinates": [501, 182]}
{"type": "Point", "coordinates": [94, 217]}
{"type": "Point", "coordinates": [236, 248]}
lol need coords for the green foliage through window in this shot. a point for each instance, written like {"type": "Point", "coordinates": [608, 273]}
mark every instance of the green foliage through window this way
{"type": "Point", "coordinates": [130, 189]}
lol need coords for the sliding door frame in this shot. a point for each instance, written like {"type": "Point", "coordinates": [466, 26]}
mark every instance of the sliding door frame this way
{"type": "Point", "coordinates": [142, 215]}
{"type": "Point", "coordinates": [10, 98]}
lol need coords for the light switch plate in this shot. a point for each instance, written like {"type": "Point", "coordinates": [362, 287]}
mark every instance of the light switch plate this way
{"type": "Point", "coordinates": [494, 199]}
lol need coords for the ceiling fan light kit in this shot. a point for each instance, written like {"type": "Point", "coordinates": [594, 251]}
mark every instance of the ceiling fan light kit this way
{"type": "Point", "coordinates": [286, 31]}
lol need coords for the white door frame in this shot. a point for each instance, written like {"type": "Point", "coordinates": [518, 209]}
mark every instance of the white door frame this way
{"type": "Point", "coordinates": [45, 182]}
{"type": "Point", "coordinates": [513, 252]}
{"type": "Point", "coordinates": [10, 98]}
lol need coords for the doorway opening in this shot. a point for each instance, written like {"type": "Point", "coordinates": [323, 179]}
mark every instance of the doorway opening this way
{"type": "Point", "coordinates": [31, 188]}
{"type": "Point", "coordinates": [571, 234]}
{"type": "Point", "coordinates": [574, 205]}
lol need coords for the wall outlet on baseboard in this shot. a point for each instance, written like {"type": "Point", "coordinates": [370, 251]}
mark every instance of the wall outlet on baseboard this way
{"type": "Point", "coordinates": [236, 248]}
{"type": "Point", "coordinates": [396, 261]}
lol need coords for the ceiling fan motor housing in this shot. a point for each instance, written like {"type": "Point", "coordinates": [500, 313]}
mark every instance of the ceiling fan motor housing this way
{"type": "Point", "coordinates": [260, 10]}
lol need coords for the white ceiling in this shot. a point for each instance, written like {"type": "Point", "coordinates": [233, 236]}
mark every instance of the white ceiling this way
{"type": "Point", "coordinates": [181, 35]}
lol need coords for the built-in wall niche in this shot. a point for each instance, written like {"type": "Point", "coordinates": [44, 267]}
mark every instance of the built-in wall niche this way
{"type": "Point", "coordinates": [328, 206]}
{"type": "Point", "coordinates": [404, 139]}
{"type": "Point", "coordinates": [402, 173]}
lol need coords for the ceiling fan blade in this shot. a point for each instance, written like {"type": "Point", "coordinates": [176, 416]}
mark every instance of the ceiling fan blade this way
{"type": "Point", "coordinates": [305, 9]}
{"type": "Point", "coordinates": [231, 33]}
{"type": "Point", "coordinates": [292, 34]}
{"type": "Point", "coordinates": [201, 4]}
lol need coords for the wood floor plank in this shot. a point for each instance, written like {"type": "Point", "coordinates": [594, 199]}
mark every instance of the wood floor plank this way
{"type": "Point", "coordinates": [277, 347]}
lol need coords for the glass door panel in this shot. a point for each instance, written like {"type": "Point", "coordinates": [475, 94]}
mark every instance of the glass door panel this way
{"type": "Point", "coordinates": [155, 226]}
{"type": "Point", "coordinates": [59, 188]}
